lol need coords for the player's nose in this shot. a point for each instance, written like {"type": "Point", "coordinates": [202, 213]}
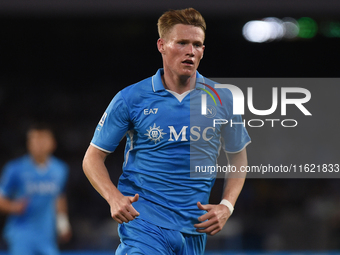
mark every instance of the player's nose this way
{"type": "Point", "coordinates": [190, 50]}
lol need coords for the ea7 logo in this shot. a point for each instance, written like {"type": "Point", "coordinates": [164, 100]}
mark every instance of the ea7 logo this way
{"type": "Point", "coordinates": [150, 111]}
{"type": "Point", "coordinates": [238, 100]}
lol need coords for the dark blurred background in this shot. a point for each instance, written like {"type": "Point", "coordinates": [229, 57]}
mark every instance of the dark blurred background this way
{"type": "Point", "coordinates": [63, 61]}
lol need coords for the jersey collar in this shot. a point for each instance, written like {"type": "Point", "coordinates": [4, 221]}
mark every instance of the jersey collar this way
{"type": "Point", "coordinates": [157, 84]}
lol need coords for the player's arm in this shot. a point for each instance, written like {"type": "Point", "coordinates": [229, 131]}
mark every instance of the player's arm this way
{"type": "Point", "coordinates": [217, 215]}
{"type": "Point", "coordinates": [12, 206]}
{"type": "Point", "coordinates": [63, 225]}
{"type": "Point", "coordinates": [8, 185]}
{"type": "Point", "coordinates": [96, 171]}
{"type": "Point", "coordinates": [235, 181]}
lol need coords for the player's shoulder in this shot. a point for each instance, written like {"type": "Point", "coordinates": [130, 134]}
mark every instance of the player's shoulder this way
{"type": "Point", "coordinates": [138, 87]}
{"type": "Point", "coordinates": [16, 164]}
{"type": "Point", "coordinates": [136, 92]}
{"type": "Point", "coordinates": [17, 161]}
{"type": "Point", "coordinates": [222, 92]}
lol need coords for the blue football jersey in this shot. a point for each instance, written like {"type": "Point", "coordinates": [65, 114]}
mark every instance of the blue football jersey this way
{"type": "Point", "coordinates": [39, 186]}
{"type": "Point", "coordinates": [167, 135]}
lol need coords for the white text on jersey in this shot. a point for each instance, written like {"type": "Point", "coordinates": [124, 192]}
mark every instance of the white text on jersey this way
{"type": "Point", "coordinates": [150, 111]}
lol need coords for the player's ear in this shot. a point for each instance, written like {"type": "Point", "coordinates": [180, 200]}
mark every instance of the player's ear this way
{"type": "Point", "coordinates": [160, 45]}
{"type": "Point", "coordinates": [203, 51]}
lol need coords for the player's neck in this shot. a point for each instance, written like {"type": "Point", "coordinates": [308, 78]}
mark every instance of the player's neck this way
{"type": "Point", "coordinates": [40, 159]}
{"type": "Point", "coordinates": [178, 84]}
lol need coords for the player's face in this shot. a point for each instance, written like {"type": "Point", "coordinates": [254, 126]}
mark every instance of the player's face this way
{"type": "Point", "coordinates": [40, 143]}
{"type": "Point", "coordinates": [182, 49]}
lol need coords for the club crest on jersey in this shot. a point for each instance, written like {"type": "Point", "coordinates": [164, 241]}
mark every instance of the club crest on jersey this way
{"type": "Point", "coordinates": [211, 111]}
{"type": "Point", "coordinates": [155, 133]}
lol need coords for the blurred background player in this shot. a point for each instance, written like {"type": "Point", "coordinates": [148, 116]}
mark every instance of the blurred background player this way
{"type": "Point", "coordinates": [32, 194]}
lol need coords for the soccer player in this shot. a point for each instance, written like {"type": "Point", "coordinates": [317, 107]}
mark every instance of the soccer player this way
{"type": "Point", "coordinates": [160, 203]}
{"type": "Point", "coordinates": [32, 193]}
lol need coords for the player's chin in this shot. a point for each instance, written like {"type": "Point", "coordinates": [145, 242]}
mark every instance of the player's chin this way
{"type": "Point", "coordinates": [188, 72]}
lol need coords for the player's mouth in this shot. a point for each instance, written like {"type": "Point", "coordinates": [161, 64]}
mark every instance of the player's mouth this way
{"type": "Point", "coordinates": [188, 62]}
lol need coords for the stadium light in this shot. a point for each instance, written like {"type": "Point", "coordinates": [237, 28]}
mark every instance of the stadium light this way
{"type": "Point", "coordinates": [270, 29]}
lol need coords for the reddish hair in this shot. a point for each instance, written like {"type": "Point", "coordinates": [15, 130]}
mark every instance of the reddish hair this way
{"type": "Point", "coordinates": [188, 16]}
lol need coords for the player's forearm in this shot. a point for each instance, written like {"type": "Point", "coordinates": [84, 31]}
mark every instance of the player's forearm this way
{"type": "Point", "coordinates": [5, 205]}
{"type": "Point", "coordinates": [96, 172]}
{"type": "Point", "coordinates": [235, 181]}
{"type": "Point", "coordinates": [62, 204]}
{"type": "Point", "coordinates": [63, 223]}
{"type": "Point", "coordinates": [233, 189]}
{"type": "Point", "coordinates": [10, 207]}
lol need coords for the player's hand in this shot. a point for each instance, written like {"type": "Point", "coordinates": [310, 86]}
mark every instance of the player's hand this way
{"type": "Point", "coordinates": [122, 209]}
{"type": "Point", "coordinates": [65, 237]}
{"type": "Point", "coordinates": [19, 206]}
{"type": "Point", "coordinates": [213, 221]}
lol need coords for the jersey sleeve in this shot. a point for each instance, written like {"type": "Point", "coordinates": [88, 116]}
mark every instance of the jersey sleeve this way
{"type": "Point", "coordinates": [234, 135]}
{"type": "Point", "coordinates": [113, 125]}
{"type": "Point", "coordinates": [8, 181]}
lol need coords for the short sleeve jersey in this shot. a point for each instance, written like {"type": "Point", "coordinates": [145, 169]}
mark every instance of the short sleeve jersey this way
{"type": "Point", "coordinates": [39, 186]}
{"type": "Point", "coordinates": [166, 136]}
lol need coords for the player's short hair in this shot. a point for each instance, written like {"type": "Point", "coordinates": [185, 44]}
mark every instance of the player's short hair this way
{"type": "Point", "coordinates": [188, 16]}
{"type": "Point", "coordinates": [41, 126]}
